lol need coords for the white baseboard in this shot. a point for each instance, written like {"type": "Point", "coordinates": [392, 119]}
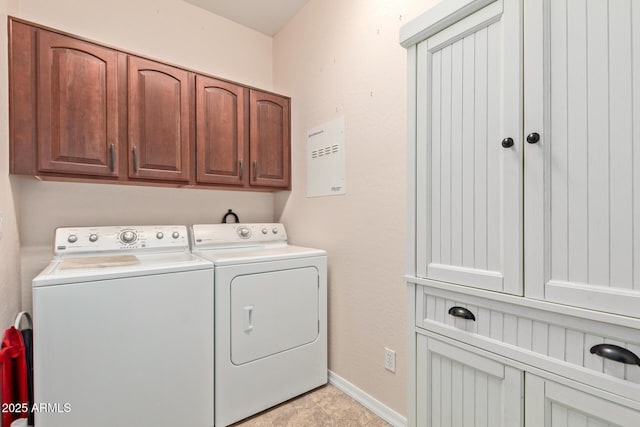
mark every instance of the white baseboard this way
{"type": "Point", "coordinates": [375, 406]}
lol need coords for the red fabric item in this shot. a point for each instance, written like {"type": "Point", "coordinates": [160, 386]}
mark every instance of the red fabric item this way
{"type": "Point", "coordinates": [13, 374]}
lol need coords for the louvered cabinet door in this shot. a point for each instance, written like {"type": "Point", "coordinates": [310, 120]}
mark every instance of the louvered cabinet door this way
{"type": "Point", "coordinates": [469, 186]}
{"type": "Point", "coordinates": [77, 106]}
{"type": "Point", "coordinates": [456, 388]}
{"type": "Point", "coordinates": [582, 178]}
{"type": "Point", "coordinates": [550, 404]}
{"type": "Point", "coordinates": [220, 132]}
{"type": "Point", "coordinates": [159, 121]}
{"type": "Point", "coordinates": [270, 136]}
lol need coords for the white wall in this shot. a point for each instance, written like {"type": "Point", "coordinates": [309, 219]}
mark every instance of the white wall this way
{"type": "Point", "coordinates": [9, 244]}
{"type": "Point", "coordinates": [342, 58]}
{"type": "Point", "coordinates": [170, 30]}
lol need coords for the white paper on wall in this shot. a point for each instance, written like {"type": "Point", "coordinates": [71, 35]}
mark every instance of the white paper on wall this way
{"type": "Point", "coordinates": [326, 159]}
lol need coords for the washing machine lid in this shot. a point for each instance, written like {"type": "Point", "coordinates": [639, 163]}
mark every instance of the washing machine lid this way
{"type": "Point", "coordinates": [222, 257]}
{"type": "Point", "coordinates": [67, 270]}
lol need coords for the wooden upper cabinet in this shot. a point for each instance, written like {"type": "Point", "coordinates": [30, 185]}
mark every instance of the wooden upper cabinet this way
{"type": "Point", "coordinates": [158, 121]}
{"type": "Point", "coordinates": [220, 132]}
{"type": "Point", "coordinates": [77, 106]}
{"type": "Point", "coordinates": [82, 111]}
{"type": "Point", "coordinates": [269, 140]}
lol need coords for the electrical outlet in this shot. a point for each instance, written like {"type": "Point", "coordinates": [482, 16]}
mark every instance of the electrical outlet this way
{"type": "Point", "coordinates": [389, 359]}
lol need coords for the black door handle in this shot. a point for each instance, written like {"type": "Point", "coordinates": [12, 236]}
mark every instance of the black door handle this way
{"type": "Point", "coordinates": [532, 138]}
{"type": "Point", "coordinates": [462, 313]}
{"type": "Point", "coordinates": [615, 353]}
{"type": "Point", "coordinates": [507, 143]}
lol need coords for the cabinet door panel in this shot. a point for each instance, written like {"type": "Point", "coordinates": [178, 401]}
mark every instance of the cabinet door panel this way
{"type": "Point", "coordinates": [469, 203]}
{"type": "Point", "coordinates": [458, 388]}
{"type": "Point", "coordinates": [220, 131]}
{"type": "Point", "coordinates": [551, 404]}
{"type": "Point", "coordinates": [582, 180]}
{"type": "Point", "coordinates": [269, 140]}
{"type": "Point", "coordinates": [158, 121]}
{"type": "Point", "coordinates": [77, 106]}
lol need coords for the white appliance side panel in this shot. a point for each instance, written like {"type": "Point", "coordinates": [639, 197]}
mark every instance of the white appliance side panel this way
{"type": "Point", "coordinates": [126, 352]}
{"type": "Point", "coordinates": [273, 312]}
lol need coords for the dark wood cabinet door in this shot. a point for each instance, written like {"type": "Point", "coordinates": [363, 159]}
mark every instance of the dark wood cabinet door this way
{"type": "Point", "coordinates": [220, 132]}
{"type": "Point", "coordinates": [77, 106]}
{"type": "Point", "coordinates": [159, 119]}
{"type": "Point", "coordinates": [269, 140]}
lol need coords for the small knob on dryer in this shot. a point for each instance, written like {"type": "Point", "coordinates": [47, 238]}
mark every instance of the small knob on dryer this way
{"type": "Point", "coordinates": [128, 237]}
{"type": "Point", "coordinates": [244, 232]}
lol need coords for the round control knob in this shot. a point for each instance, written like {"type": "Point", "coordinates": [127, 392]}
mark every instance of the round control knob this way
{"type": "Point", "coordinates": [128, 237]}
{"type": "Point", "coordinates": [265, 231]}
{"type": "Point", "coordinates": [244, 232]}
{"type": "Point", "coordinates": [275, 230]}
{"type": "Point", "coordinates": [72, 238]}
{"type": "Point", "coordinates": [159, 235]}
{"type": "Point", "coordinates": [175, 234]}
{"type": "Point", "coordinates": [93, 238]}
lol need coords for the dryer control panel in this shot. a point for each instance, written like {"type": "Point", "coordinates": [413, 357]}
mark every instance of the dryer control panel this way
{"type": "Point", "coordinates": [121, 238]}
{"type": "Point", "coordinates": [225, 235]}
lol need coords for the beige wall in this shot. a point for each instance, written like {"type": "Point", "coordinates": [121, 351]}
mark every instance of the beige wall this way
{"type": "Point", "coordinates": [342, 58]}
{"type": "Point", "coordinates": [9, 244]}
{"type": "Point", "coordinates": [169, 30]}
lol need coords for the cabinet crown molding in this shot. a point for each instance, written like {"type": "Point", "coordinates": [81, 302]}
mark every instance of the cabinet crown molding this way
{"type": "Point", "coordinates": [437, 18]}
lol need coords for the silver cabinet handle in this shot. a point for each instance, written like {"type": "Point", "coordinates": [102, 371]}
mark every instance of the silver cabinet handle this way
{"type": "Point", "coordinates": [241, 168]}
{"type": "Point", "coordinates": [255, 170]}
{"type": "Point", "coordinates": [135, 159]}
{"type": "Point", "coordinates": [112, 157]}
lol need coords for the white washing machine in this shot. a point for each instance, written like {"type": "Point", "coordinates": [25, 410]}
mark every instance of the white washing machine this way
{"type": "Point", "coordinates": [123, 330]}
{"type": "Point", "coordinates": [270, 316]}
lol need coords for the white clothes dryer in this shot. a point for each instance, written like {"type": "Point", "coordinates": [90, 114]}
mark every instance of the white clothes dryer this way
{"type": "Point", "coordinates": [123, 330]}
{"type": "Point", "coordinates": [270, 316]}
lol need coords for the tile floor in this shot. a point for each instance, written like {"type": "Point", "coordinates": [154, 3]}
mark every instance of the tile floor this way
{"type": "Point", "coordinates": [324, 406]}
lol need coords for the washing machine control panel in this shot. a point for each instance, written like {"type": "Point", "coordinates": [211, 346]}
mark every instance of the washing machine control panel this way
{"type": "Point", "coordinates": [212, 235]}
{"type": "Point", "coordinates": [121, 238]}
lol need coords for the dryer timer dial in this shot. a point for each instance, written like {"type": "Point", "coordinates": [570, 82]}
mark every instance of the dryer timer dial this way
{"type": "Point", "coordinates": [244, 232]}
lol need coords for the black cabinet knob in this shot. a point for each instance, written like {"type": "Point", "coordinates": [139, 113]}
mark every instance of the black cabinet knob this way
{"type": "Point", "coordinates": [507, 142]}
{"type": "Point", "coordinates": [533, 138]}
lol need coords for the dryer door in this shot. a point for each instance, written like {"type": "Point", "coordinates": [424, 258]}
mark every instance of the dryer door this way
{"type": "Point", "coordinates": [272, 312]}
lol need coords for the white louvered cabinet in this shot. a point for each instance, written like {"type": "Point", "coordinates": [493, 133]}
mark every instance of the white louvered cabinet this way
{"type": "Point", "coordinates": [551, 404]}
{"type": "Point", "coordinates": [469, 188]}
{"type": "Point", "coordinates": [524, 201]}
{"type": "Point", "coordinates": [463, 388]}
